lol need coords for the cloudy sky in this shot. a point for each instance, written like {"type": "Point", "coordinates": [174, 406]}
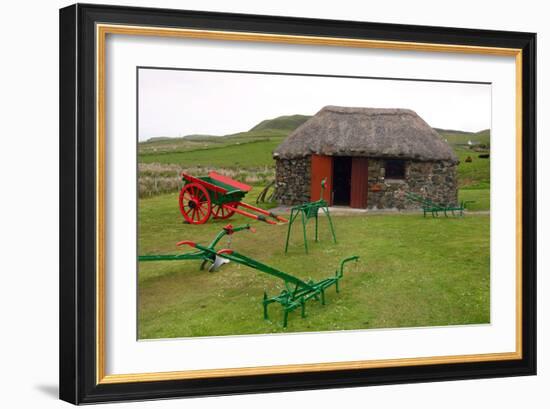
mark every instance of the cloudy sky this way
{"type": "Point", "coordinates": [175, 103]}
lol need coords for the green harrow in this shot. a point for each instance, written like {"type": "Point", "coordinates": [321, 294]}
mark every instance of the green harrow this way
{"type": "Point", "coordinates": [428, 206]}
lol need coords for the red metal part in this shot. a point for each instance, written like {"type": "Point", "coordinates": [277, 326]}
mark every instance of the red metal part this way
{"type": "Point", "coordinates": [247, 214]}
{"type": "Point", "coordinates": [262, 211]}
{"type": "Point", "coordinates": [186, 243]}
{"type": "Point", "coordinates": [195, 203]}
{"type": "Point", "coordinates": [224, 251]}
{"type": "Point", "coordinates": [221, 212]}
{"type": "Point", "coordinates": [231, 182]}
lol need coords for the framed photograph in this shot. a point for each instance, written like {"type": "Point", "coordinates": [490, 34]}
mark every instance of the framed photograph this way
{"type": "Point", "coordinates": [257, 203]}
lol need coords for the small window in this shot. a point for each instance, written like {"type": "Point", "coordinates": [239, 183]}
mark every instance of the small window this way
{"type": "Point", "coordinates": [395, 169]}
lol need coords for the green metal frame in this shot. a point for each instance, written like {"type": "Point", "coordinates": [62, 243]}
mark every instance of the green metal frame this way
{"type": "Point", "coordinates": [206, 256]}
{"type": "Point", "coordinates": [428, 206]}
{"type": "Point", "coordinates": [296, 293]}
{"type": "Point", "coordinates": [308, 211]}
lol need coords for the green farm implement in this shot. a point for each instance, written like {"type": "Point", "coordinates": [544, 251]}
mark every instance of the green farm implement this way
{"type": "Point", "coordinates": [308, 211]}
{"type": "Point", "coordinates": [296, 292]}
{"type": "Point", "coordinates": [205, 256]}
{"type": "Point", "coordinates": [218, 196]}
{"type": "Point", "coordinates": [428, 206]}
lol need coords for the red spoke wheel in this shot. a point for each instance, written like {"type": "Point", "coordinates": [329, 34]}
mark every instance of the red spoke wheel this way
{"type": "Point", "coordinates": [219, 212]}
{"type": "Point", "coordinates": [195, 203]}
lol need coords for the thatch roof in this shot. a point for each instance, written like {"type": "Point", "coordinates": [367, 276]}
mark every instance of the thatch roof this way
{"type": "Point", "coordinates": [373, 132]}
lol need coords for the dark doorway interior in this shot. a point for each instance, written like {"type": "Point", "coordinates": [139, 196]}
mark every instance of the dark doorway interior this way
{"type": "Point", "coordinates": [341, 179]}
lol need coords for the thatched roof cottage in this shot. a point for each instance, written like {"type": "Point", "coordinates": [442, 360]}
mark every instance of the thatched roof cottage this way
{"type": "Point", "coordinates": [370, 157]}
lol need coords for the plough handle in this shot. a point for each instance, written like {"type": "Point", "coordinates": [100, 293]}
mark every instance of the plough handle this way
{"type": "Point", "coordinates": [229, 229]}
{"type": "Point", "coordinates": [186, 243]}
{"type": "Point", "coordinates": [340, 272]}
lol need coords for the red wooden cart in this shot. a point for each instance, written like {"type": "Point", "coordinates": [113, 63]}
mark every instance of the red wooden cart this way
{"type": "Point", "coordinates": [218, 196]}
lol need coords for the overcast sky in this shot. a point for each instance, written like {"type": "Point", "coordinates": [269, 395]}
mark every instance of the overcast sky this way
{"type": "Point", "coordinates": [176, 103]}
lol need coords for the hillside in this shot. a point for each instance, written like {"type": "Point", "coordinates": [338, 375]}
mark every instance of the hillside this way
{"type": "Point", "coordinates": [455, 137]}
{"type": "Point", "coordinates": [474, 174]}
{"type": "Point", "coordinates": [288, 123]}
{"type": "Point", "coordinates": [265, 136]}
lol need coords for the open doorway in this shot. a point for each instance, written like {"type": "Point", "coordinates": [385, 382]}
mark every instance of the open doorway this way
{"type": "Point", "coordinates": [341, 180]}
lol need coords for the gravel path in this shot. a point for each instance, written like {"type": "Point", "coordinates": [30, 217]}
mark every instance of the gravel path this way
{"type": "Point", "coordinates": [348, 211]}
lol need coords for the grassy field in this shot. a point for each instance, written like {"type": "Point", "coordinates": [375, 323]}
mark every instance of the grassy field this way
{"type": "Point", "coordinates": [461, 138]}
{"type": "Point", "coordinates": [474, 174]}
{"type": "Point", "coordinates": [479, 197]}
{"type": "Point", "coordinates": [251, 148]}
{"type": "Point", "coordinates": [255, 153]}
{"type": "Point", "coordinates": [447, 284]}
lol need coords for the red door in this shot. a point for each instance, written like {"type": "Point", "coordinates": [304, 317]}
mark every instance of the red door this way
{"type": "Point", "coordinates": [359, 182]}
{"type": "Point", "coordinates": [321, 168]}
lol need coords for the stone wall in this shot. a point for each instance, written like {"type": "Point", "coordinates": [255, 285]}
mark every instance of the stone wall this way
{"type": "Point", "coordinates": [292, 180]}
{"type": "Point", "coordinates": [434, 180]}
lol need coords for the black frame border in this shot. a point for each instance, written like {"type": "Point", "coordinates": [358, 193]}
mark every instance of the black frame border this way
{"type": "Point", "coordinates": [77, 252]}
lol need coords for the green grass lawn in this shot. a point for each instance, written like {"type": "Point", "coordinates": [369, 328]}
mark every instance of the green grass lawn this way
{"type": "Point", "coordinates": [479, 197]}
{"type": "Point", "coordinates": [247, 154]}
{"type": "Point", "coordinates": [412, 272]}
{"type": "Point", "coordinates": [474, 174]}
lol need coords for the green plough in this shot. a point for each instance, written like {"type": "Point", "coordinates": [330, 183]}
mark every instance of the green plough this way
{"type": "Point", "coordinates": [206, 256]}
{"type": "Point", "coordinates": [296, 292]}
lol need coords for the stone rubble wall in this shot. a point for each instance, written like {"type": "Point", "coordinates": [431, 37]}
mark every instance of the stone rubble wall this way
{"type": "Point", "coordinates": [434, 180]}
{"type": "Point", "coordinates": [292, 180]}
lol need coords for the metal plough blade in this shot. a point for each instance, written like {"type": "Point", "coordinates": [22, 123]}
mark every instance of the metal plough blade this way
{"type": "Point", "coordinates": [218, 262]}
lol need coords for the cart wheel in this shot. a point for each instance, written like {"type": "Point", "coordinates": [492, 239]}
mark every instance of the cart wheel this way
{"type": "Point", "coordinates": [195, 204]}
{"type": "Point", "coordinates": [219, 212]}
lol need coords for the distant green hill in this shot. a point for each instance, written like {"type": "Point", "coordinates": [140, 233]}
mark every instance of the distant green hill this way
{"type": "Point", "coordinates": [177, 150]}
{"type": "Point", "coordinates": [486, 133]}
{"type": "Point", "coordinates": [157, 139]}
{"type": "Point", "coordinates": [474, 173]}
{"type": "Point", "coordinates": [452, 131]}
{"type": "Point", "coordinates": [455, 137]}
{"type": "Point", "coordinates": [287, 122]}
